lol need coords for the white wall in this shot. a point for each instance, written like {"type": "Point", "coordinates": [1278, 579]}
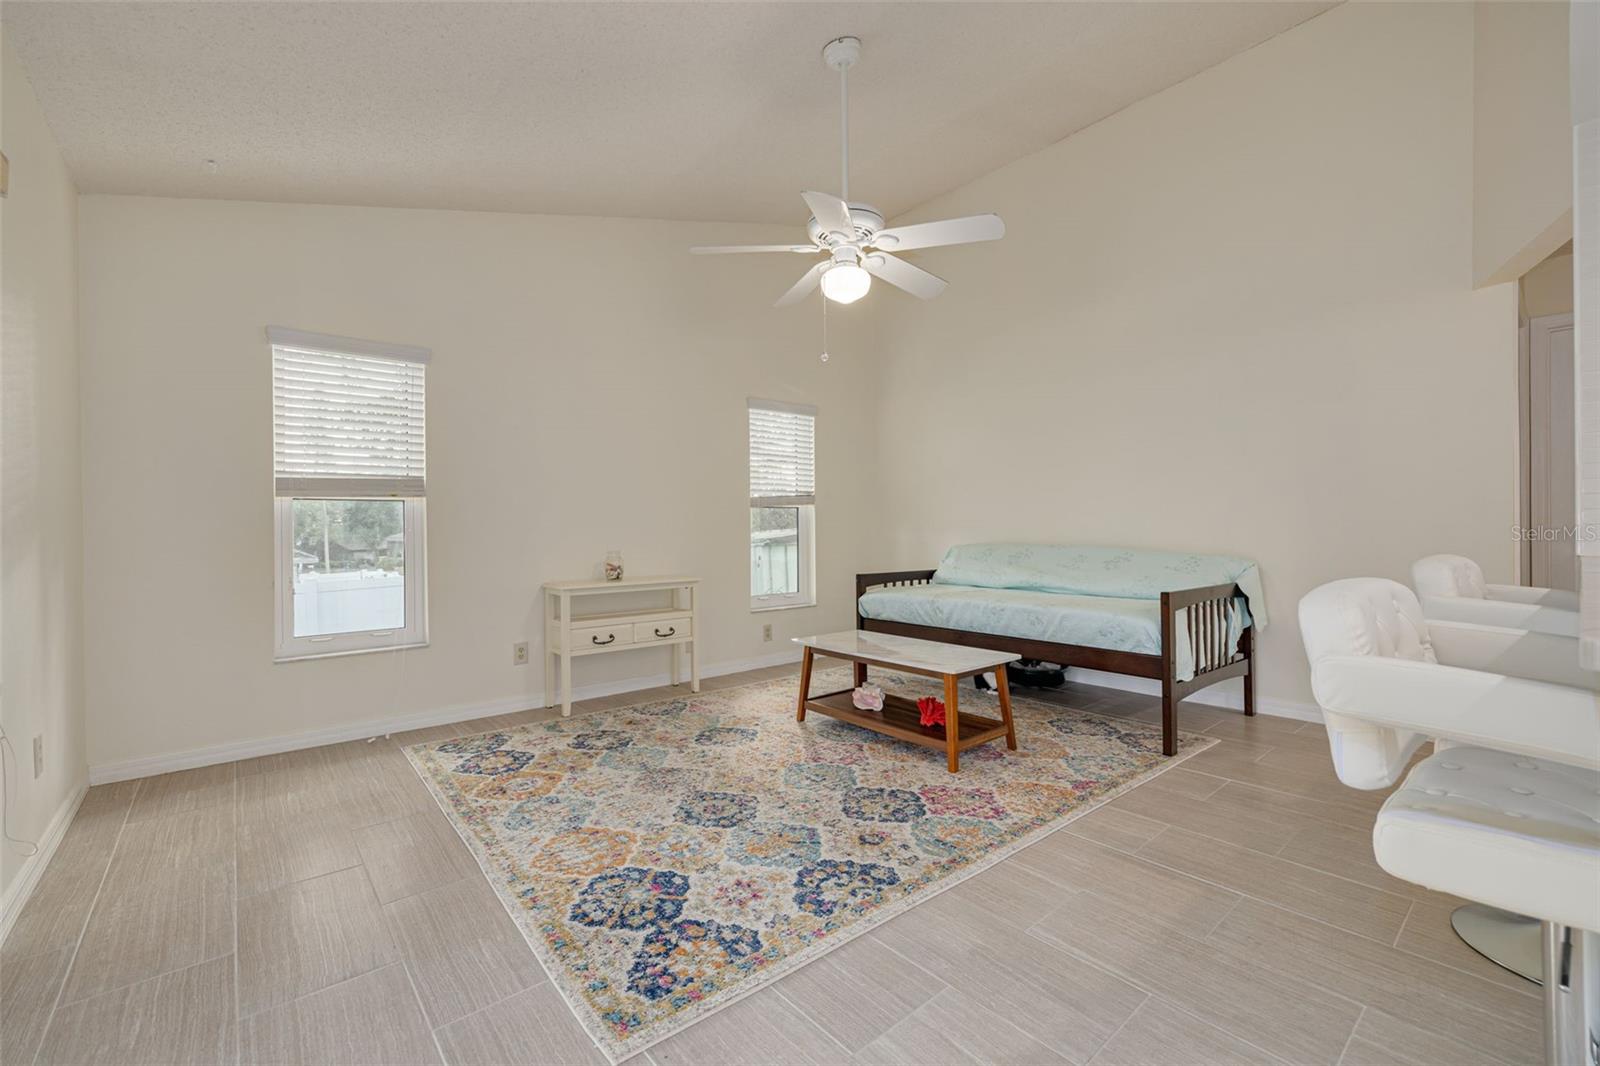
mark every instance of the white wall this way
{"type": "Point", "coordinates": [1238, 317]}
{"type": "Point", "coordinates": [41, 521]}
{"type": "Point", "coordinates": [587, 392]}
{"type": "Point", "coordinates": [1235, 317]}
{"type": "Point", "coordinates": [1522, 137]}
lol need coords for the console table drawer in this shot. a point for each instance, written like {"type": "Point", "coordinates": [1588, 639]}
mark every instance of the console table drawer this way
{"type": "Point", "coordinates": [667, 629]}
{"type": "Point", "coordinates": [601, 637]}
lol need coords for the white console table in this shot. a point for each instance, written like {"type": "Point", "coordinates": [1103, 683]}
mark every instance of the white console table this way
{"type": "Point", "coordinates": [575, 624]}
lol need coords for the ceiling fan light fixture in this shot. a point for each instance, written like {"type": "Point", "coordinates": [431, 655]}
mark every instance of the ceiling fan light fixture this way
{"type": "Point", "coordinates": [853, 236]}
{"type": "Point", "coordinates": [845, 283]}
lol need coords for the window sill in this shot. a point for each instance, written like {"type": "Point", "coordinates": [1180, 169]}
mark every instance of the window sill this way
{"type": "Point", "coordinates": [347, 651]}
{"type": "Point", "coordinates": [782, 607]}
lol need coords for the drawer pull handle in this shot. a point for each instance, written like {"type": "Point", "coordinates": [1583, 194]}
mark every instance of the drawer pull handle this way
{"type": "Point", "coordinates": [608, 640]}
{"type": "Point", "coordinates": [670, 631]}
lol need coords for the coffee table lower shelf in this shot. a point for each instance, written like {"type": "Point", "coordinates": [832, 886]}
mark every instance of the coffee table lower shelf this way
{"type": "Point", "coordinates": [901, 720]}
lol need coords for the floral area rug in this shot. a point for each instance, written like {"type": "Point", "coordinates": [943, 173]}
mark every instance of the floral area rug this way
{"type": "Point", "coordinates": [665, 860]}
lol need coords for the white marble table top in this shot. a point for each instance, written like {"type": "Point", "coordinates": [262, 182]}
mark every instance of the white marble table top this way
{"type": "Point", "coordinates": [910, 653]}
{"type": "Point", "coordinates": [634, 584]}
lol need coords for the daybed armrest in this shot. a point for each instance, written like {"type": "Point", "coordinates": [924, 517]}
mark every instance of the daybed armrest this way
{"type": "Point", "coordinates": [1554, 722]}
{"type": "Point", "coordinates": [886, 577]}
{"type": "Point", "coordinates": [1559, 598]}
{"type": "Point", "coordinates": [1517, 652]}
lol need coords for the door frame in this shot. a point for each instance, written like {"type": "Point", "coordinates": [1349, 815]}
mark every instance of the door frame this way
{"type": "Point", "coordinates": [1536, 497]}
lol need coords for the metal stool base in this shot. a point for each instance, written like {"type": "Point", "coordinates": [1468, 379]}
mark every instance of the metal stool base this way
{"type": "Point", "coordinates": [1510, 941]}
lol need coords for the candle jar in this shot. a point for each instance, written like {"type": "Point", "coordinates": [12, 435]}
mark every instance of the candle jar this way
{"type": "Point", "coordinates": [613, 566]}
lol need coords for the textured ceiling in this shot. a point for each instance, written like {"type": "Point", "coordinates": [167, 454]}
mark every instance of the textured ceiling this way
{"type": "Point", "coordinates": [691, 111]}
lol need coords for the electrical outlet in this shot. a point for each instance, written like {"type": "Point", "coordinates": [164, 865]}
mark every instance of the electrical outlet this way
{"type": "Point", "coordinates": [519, 654]}
{"type": "Point", "coordinates": [766, 632]}
{"type": "Point", "coordinates": [38, 755]}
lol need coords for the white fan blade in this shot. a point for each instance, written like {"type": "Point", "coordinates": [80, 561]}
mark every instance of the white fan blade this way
{"type": "Point", "coordinates": [732, 249]}
{"type": "Point", "coordinates": [903, 275]}
{"type": "Point", "coordinates": [969, 230]}
{"type": "Point", "coordinates": [802, 288]}
{"type": "Point", "coordinates": [831, 213]}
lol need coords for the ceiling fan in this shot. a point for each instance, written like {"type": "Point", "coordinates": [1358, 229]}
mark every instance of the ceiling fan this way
{"type": "Point", "coordinates": [852, 234]}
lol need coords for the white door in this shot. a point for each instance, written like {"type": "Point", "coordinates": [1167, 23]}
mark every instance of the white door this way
{"type": "Point", "coordinates": [1551, 387]}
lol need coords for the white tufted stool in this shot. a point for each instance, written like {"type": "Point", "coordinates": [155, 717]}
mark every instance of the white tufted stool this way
{"type": "Point", "coordinates": [1387, 680]}
{"type": "Point", "coordinates": [1520, 834]}
{"type": "Point", "coordinates": [1451, 588]}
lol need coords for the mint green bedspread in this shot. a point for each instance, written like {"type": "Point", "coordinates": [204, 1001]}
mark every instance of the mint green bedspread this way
{"type": "Point", "coordinates": [1097, 597]}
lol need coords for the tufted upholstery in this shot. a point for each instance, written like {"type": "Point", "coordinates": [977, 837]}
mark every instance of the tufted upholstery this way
{"type": "Point", "coordinates": [1369, 617]}
{"type": "Point", "coordinates": [1378, 676]}
{"type": "Point", "coordinates": [1448, 575]}
{"type": "Point", "coordinates": [1364, 616]}
{"type": "Point", "coordinates": [1510, 831]}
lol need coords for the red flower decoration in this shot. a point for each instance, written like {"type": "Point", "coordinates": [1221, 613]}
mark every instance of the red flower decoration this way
{"type": "Point", "coordinates": [930, 709]}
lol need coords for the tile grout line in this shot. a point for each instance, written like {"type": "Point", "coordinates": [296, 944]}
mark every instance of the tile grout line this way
{"type": "Point", "coordinates": [1148, 996]}
{"type": "Point", "coordinates": [808, 1019]}
{"type": "Point", "coordinates": [543, 980]}
{"type": "Point", "coordinates": [1181, 1009]}
{"type": "Point", "coordinates": [978, 1053]}
{"type": "Point", "coordinates": [318, 991]}
{"type": "Point", "coordinates": [1410, 902]}
{"type": "Point", "coordinates": [1484, 981]}
{"type": "Point", "coordinates": [1398, 933]}
{"type": "Point", "coordinates": [1130, 979]}
{"type": "Point", "coordinates": [433, 1034]}
{"type": "Point", "coordinates": [1351, 1038]}
{"type": "Point", "coordinates": [1531, 993]}
{"type": "Point", "coordinates": [87, 917]}
{"type": "Point", "coordinates": [1246, 894]}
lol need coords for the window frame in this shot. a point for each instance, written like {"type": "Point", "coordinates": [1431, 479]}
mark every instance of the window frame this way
{"type": "Point", "coordinates": [805, 504]}
{"type": "Point", "coordinates": [805, 562]}
{"type": "Point", "coordinates": [414, 634]}
{"type": "Point", "coordinates": [398, 476]}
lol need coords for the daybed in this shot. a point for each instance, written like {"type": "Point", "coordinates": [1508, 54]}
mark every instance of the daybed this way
{"type": "Point", "coordinates": [1187, 621]}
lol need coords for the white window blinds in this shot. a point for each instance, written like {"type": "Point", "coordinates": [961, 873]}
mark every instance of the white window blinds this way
{"type": "Point", "coordinates": [348, 416]}
{"type": "Point", "coordinates": [783, 467]}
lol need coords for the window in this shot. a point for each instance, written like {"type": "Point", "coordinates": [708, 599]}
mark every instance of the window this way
{"type": "Point", "coordinates": [782, 504]}
{"type": "Point", "coordinates": [349, 459]}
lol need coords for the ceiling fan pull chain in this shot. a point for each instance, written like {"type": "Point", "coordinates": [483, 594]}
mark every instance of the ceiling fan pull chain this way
{"type": "Point", "coordinates": [824, 329]}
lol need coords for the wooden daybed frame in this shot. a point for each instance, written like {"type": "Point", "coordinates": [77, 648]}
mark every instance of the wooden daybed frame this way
{"type": "Point", "coordinates": [1205, 614]}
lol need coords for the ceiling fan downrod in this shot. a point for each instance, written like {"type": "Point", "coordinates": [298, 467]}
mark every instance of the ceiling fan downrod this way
{"type": "Point", "coordinates": [841, 54]}
{"type": "Point", "coordinates": [852, 236]}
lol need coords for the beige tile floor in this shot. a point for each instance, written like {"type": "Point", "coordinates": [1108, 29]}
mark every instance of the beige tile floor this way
{"type": "Point", "coordinates": [315, 907]}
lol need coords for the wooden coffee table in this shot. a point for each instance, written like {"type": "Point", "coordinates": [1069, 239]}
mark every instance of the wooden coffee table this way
{"type": "Point", "coordinates": [899, 717]}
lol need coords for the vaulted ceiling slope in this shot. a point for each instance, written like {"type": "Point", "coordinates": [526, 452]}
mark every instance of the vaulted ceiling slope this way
{"type": "Point", "coordinates": [713, 111]}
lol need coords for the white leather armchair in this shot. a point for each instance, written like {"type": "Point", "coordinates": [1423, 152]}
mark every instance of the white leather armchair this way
{"type": "Point", "coordinates": [1388, 680]}
{"type": "Point", "coordinates": [1452, 588]}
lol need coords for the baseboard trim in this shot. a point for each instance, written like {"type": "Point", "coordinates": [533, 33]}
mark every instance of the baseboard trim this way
{"type": "Point", "coordinates": [1223, 694]}
{"type": "Point", "coordinates": [27, 879]}
{"type": "Point", "coordinates": [148, 765]}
